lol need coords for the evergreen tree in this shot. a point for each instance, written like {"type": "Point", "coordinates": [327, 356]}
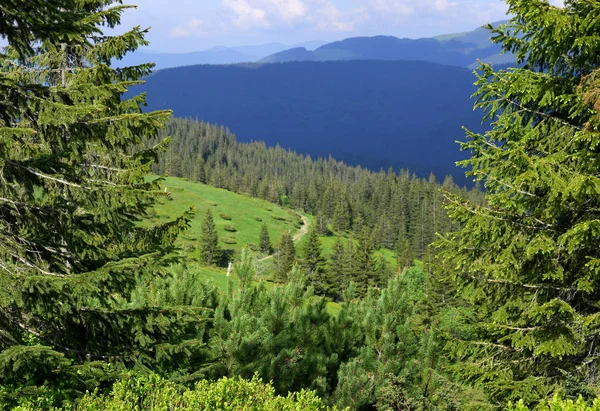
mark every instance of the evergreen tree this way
{"type": "Point", "coordinates": [210, 253]}
{"type": "Point", "coordinates": [528, 260]}
{"type": "Point", "coordinates": [73, 191]}
{"type": "Point", "coordinates": [314, 263]}
{"type": "Point", "coordinates": [342, 220]}
{"type": "Point", "coordinates": [336, 270]}
{"type": "Point", "coordinates": [364, 266]}
{"type": "Point", "coordinates": [406, 256]}
{"type": "Point", "coordinates": [285, 258]}
{"type": "Point", "coordinates": [201, 174]}
{"type": "Point", "coordinates": [264, 241]}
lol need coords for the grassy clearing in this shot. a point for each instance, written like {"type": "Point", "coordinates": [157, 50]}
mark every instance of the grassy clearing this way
{"type": "Point", "coordinates": [244, 214]}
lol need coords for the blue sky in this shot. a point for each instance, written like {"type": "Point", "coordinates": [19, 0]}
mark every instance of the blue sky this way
{"type": "Point", "coordinates": [191, 25]}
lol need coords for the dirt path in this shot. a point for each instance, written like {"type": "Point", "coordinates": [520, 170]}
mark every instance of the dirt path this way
{"type": "Point", "coordinates": [301, 233]}
{"type": "Point", "coordinates": [303, 230]}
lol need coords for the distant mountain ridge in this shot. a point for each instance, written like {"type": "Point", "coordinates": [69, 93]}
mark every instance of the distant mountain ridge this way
{"type": "Point", "coordinates": [213, 55]}
{"type": "Point", "coordinates": [460, 49]}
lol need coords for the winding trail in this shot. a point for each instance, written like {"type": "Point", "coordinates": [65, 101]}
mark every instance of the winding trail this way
{"type": "Point", "coordinates": [301, 233]}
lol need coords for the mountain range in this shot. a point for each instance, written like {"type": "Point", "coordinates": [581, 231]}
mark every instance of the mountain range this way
{"type": "Point", "coordinates": [461, 49]}
{"type": "Point", "coordinates": [371, 101]}
{"type": "Point", "coordinates": [214, 55]}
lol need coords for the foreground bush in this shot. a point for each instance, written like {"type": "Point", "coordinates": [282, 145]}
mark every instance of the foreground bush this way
{"type": "Point", "coordinates": [156, 394]}
{"type": "Point", "coordinates": [558, 404]}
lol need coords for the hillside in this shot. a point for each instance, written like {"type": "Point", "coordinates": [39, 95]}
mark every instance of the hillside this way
{"type": "Point", "coordinates": [246, 214]}
{"type": "Point", "coordinates": [243, 213]}
{"type": "Point", "coordinates": [459, 49]}
{"type": "Point", "coordinates": [373, 113]}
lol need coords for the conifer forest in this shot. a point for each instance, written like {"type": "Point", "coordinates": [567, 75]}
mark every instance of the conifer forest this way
{"type": "Point", "coordinates": [150, 262]}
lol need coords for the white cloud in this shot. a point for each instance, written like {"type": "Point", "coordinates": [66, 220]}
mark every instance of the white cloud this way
{"type": "Point", "coordinates": [238, 17]}
{"type": "Point", "coordinates": [246, 15]}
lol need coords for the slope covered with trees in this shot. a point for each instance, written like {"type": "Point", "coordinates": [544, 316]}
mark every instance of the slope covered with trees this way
{"type": "Point", "coordinates": [404, 114]}
{"type": "Point", "coordinates": [399, 210]}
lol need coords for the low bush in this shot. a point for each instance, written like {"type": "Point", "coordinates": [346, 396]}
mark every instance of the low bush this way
{"type": "Point", "coordinates": [153, 393]}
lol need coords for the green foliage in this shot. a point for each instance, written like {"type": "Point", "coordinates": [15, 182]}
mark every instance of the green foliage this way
{"type": "Point", "coordinates": [73, 190]}
{"type": "Point", "coordinates": [279, 333]}
{"type": "Point", "coordinates": [558, 404]}
{"type": "Point", "coordinates": [225, 216]}
{"type": "Point", "coordinates": [153, 393]}
{"type": "Point", "coordinates": [398, 363]}
{"type": "Point", "coordinates": [314, 263]}
{"type": "Point", "coordinates": [285, 257]}
{"type": "Point", "coordinates": [210, 253]}
{"type": "Point", "coordinates": [264, 241]}
{"type": "Point", "coordinates": [527, 260]}
{"type": "Point", "coordinates": [230, 228]}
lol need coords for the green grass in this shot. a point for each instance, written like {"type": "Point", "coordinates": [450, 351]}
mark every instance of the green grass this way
{"type": "Point", "coordinates": [247, 214]}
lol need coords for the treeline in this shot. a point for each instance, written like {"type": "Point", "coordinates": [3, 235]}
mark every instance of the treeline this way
{"type": "Point", "coordinates": [400, 211]}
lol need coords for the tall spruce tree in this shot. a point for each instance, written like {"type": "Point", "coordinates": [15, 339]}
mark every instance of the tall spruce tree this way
{"type": "Point", "coordinates": [72, 193]}
{"type": "Point", "coordinates": [336, 270]}
{"type": "Point", "coordinates": [285, 257]}
{"type": "Point", "coordinates": [314, 263]}
{"type": "Point", "coordinates": [264, 241]}
{"type": "Point", "coordinates": [364, 263]}
{"type": "Point", "coordinates": [210, 253]}
{"type": "Point", "coordinates": [529, 260]}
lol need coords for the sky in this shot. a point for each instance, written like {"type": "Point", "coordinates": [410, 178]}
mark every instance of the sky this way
{"type": "Point", "coordinates": [193, 25]}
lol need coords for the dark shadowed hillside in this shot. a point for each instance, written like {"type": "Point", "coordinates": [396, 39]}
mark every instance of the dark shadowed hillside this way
{"type": "Point", "coordinates": [373, 113]}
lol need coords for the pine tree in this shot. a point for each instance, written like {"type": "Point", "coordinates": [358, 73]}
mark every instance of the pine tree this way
{"type": "Point", "coordinates": [285, 257]}
{"type": "Point", "coordinates": [73, 191]}
{"type": "Point", "coordinates": [264, 241]}
{"type": "Point", "coordinates": [314, 263]}
{"type": "Point", "coordinates": [528, 259]}
{"type": "Point", "coordinates": [210, 253]}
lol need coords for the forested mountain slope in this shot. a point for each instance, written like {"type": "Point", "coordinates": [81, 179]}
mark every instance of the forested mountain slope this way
{"type": "Point", "coordinates": [400, 210]}
{"type": "Point", "coordinates": [373, 113]}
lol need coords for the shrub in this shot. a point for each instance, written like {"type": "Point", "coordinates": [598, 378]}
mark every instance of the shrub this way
{"type": "Point", "coordinates": [230, 228]}
{"type": "Point", "coordinates": [258, 219]}
{"type": "Point", "coordinates": [153, 393]}
{"type": "Point", "coordinates": [225, 216]}
{"type": "Point", "coordinates": [229, 240]}
{"type": "Point", "coordinates": [558, 404]}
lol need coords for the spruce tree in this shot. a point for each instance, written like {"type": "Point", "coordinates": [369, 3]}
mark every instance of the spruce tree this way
{"type": "Point", "coordinates": [264, 241]}
{"type": "Point", "coordinates": [336, 270]}
{"type": "Point", "coordinates": [528, 259]}
{"type": "Point", "coordinates": [73, 192]}
{"type": "Point", "coordinates": [285, 258]}
{"type": "Point", "coordinates": [314, 263]}
{"type": "Point", "coordinates": [210, 253]}
{"type": "Point", "coordinates": [364, 264]}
